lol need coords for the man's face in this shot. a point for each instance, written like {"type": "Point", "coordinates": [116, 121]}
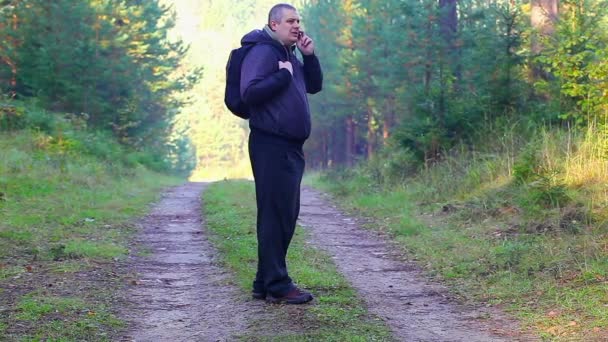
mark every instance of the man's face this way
{"type": "Point", "coordinates": [288, 29]}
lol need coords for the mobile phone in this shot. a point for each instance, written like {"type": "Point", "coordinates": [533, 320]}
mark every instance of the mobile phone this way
{"type": "Point", "coordinates": [300, 35]}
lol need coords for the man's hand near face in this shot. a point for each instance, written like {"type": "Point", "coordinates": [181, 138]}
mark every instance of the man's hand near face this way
{"type": "Point", "coordinates": [306, 45]}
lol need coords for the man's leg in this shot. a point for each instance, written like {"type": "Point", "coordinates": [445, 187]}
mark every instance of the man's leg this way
{"type": "Point", "coordinates": [278, 172]}
{"type": "Point", "coordinates": [256, 158]}
{"type": "Point", "coordinates": [259, 289]}
{"type": "Point", "coordinates": [296, 158]}
{"type": "Point", "coordinates": [289, 208]}
{"type": "Point", "coordinates": [277, 219]}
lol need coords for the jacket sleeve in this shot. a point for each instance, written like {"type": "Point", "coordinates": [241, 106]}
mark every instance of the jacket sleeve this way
{"type": "Point", "coordinates": [260, 77]}
{"type": "Point", "coordinates": [313, 74]}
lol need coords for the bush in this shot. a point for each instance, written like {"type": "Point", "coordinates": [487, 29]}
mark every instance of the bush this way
{"type": "Point", "coordinates": [542, 183]}
{"type": "Point", "coordinates": [391, 166]}
{"type": "Point", "coordinates": [11, 117]}
{"type": "Point", "coordinates": [525, 167]}
{"type": "Point", "coordinates": [66, 133]}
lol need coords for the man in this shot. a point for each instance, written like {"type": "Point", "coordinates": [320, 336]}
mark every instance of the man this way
{"type": "Point", "coordinates": [274, 84]}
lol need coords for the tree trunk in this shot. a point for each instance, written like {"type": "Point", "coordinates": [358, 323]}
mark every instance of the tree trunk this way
{"type": "Point", "coordinates": [371, 133]}
{"type": "Point", "coordinates": [11, 63]}
{"type": "Point", "coordinates": [429, 55]}
{"type": "Point", "coordinates": [448, 22]}
{"type": "Point", "coordinates": [350, 141]}
{"type": "Point", "coordinates": [449, 53]}
{"type": "Point", "coordinates": [387, 123]}
{"type": "Point", "coordinates": [324, 149]}
{"type": "Point", "coordinates": [543, 17]}
{"type": "Point", "coordinates": [336, 147]}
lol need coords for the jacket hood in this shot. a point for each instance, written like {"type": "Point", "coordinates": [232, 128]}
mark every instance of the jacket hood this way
{"type": "Point", "coordinates": [262, 36]}
{"type": "Point", "coordinates": [257, 36]}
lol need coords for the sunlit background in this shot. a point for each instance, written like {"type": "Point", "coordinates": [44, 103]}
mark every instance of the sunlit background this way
{"type": "Point", "coordinates": [213, 29]}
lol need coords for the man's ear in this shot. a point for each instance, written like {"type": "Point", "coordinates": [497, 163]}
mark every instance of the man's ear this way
{"type": "Point", "coordinates": [273, 25]}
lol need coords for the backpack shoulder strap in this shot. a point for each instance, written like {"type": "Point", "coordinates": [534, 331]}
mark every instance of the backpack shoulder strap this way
{"type": "Point", "coordinates": [281, 53]}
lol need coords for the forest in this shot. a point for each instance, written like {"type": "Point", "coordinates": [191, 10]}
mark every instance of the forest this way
{"type": "Point", "coordinates": [470, 134]}
{"type": "Point", "coordinates": [111, 65]}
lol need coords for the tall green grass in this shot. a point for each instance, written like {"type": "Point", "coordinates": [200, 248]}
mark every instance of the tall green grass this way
{"type": "Point", "coordinates": [67, 199]}
{"type": "Point", "coordinates": [519, 221]}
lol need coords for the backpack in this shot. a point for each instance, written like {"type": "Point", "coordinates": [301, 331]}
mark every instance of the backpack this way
{"type": "Point", "coordinates": [232, 95]}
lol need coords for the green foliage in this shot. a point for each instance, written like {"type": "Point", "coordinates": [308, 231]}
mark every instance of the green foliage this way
{"type": "Point", "coordinates": [77, 249]}
{"type": "Point", "coordinates": [546, 190]}
{"type": "Point", "coordinates": [391, 166]}
{"type": "Point", "coordinates": [32, 308]}
{"type": "Point", "coordinates": [393, 69]}
{"type": "Point", "coordinates": [494, 112]}
{"type": "Point", "coordinates": [489, 245]}
{"type": "Point", "coordinates": [67, 200]}
{"type": "Point", "coordinates": [543, 185]}
{"type": "Point", "coordinates": [509, 254]}
{"type": "Point", "coordinates": [397, 71]}
{"type": "Point", "coordinates": [111, 63]}
{"type": "Point", "coordinates": [576, 58]}
{"type": "Point", "coordinates": [11, 117]}
{"type": "Point", "coordinates": [53, 196]}
{"type": "Point", "coordinates": [525, 167]}
{"type": "Point", "coordinates": [78, 320]}
{"type": "Point", "coordinates": [69, 134]}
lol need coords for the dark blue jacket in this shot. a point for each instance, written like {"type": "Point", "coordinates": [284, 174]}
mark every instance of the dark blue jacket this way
{"type": "Point", "coordinates": [278, 101]}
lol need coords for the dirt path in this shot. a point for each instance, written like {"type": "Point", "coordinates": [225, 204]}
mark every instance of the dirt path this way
{"type": "Point", "coordinates": [395, 290]}
{"type": "Point", "coordinates": [181, 294]}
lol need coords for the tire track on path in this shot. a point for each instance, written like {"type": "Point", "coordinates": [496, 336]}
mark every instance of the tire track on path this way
{"type": "Point", "coordinates": [415, 308]}
{"type": "Point", "coordinates": [181, 293]}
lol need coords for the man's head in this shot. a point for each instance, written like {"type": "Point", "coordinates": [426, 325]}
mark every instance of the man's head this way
{"type": "Point", "coordinates": [284, 20]}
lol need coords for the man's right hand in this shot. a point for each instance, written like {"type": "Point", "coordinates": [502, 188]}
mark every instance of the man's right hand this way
{"type": "Point", "coordinates": [286, 65]}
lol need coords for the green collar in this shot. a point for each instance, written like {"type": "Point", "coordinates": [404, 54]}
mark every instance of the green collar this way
{"type": "Point", "coordinates": [272, 34]}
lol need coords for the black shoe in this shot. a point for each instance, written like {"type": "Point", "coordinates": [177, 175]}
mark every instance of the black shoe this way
{"type": "Point", "coordinates": [258, 295]}
{"type": "Point", "coordinates": [295, 296]}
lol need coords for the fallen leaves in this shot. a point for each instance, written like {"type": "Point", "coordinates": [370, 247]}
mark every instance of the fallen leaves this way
{"type": "Point", "coordinates": [560, 327]}
{"type": "Point", "coordinates": [555, 330]}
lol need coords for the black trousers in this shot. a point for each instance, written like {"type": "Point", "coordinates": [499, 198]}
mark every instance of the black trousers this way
{"type": "Point", "coordinates": [278, 167]}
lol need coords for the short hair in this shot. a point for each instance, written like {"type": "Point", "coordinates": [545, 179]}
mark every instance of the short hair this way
{"type": "Point", "coordinates": [276, 12]}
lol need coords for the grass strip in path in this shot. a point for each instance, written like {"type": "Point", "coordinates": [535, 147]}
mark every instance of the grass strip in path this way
{"type": "Point", "coordinates": [337, 313]}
